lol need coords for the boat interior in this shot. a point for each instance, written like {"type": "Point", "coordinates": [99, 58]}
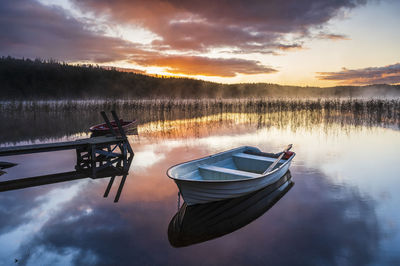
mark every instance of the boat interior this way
{"type": "Point", "coordinates": [239, 165]}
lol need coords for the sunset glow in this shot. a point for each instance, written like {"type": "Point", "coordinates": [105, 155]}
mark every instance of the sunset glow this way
{"type": "Point", "coordinates": [307, 43]}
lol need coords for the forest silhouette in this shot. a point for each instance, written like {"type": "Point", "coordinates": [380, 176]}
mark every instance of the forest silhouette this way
{"type": "Point", "coordinates": [26, 79]}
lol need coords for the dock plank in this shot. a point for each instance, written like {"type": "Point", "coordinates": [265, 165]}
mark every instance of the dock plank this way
{"type": "Point", "coordinates": [57, 146]}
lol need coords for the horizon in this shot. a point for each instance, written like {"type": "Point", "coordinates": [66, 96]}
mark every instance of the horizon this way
{"type": "Point", "coordinates": [160, 76]}
{"type": "Point", "coordinates": [296, 43]}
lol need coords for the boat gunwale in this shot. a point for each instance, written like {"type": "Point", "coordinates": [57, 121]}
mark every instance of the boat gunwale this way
{"type": "Point", "coordinates": [229, 180]}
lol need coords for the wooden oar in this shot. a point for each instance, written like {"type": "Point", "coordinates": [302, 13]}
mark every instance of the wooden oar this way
{"type": "Point", "coordinates": [103, 114]}
{"type": "Point", "coordinates": [277, 160]}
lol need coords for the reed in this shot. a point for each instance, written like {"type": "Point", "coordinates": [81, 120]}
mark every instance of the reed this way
{"type": "Point", "coordinates": [63, 118]}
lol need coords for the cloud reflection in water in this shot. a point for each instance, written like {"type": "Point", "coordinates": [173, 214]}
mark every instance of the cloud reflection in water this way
{"type": "Point", "coordinates": [324, 219]}
{"type": "Point", "coordinates": [314, 212]}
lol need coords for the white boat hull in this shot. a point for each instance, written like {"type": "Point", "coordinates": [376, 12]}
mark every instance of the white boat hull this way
{"type": "Point", "coordinates": [195, 189]}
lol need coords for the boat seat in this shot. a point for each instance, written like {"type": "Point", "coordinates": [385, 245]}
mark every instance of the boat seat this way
{"type": "Point", "coordinates": [253, 163]}
{"type": "Point", "coordinates": [212, 172]}
{"type": "Point", "coordinates": [254, 157]}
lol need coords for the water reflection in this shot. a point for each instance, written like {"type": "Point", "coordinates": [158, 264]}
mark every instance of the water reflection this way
{"type": "Point", "coordinates": [342, 210]}
{"type": "Point", "coordinates": [29, 182]}
{"type": "Point", "coordinates": [47, 119]}
{"type": "Point", "coordinates": [203, 222]}
{"type": "Point", "coordinates": [99, 233]}
{"type": "Point", "coordinates": [312, 221]}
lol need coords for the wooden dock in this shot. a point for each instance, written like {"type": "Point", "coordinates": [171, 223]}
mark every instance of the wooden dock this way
{"type": "Point", "coordinates": [58, 146]}
{"type": "Point", "coordinates": [96, 157]}
{"type": "Point", "coordinates": [92, 153]}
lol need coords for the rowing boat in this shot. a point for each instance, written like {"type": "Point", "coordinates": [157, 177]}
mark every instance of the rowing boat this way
{"type": "Point", "coordinates": [203, 222]}
{"type": "Point", "coordinates": [103, 129]}
{"type": "Point", "coordinates": [229, 174]}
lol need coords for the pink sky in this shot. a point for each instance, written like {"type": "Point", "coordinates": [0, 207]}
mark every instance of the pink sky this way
{"type": "Point", "coordinates": [316, 42]}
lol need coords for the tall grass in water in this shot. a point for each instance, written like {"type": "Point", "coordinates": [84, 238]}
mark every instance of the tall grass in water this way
{"type": "Point", "coordinates": [62, 118]}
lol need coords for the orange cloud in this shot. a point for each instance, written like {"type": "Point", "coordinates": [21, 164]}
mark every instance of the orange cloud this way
{"type": "Point", "coordinates": [196, 65]}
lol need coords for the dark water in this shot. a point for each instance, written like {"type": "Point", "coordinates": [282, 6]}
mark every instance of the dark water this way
{"type": "Point", "coordinates": [342, 209]}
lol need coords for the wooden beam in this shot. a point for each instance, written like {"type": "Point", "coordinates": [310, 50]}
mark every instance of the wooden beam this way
{"type": "Point", "coordinates": [53, 178]}
{"type": "Point", "coordinates": [121, 131]}
{"type": "Point", "coordinates": [58, 146]}
{"type": "Point", "coordinates": [110, 183]}
{"type": "Point", "coordinates": [121, 186]}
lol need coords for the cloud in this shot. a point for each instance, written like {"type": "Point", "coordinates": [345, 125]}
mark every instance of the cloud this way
{"type": "Point", "coordinates": [290, 47]}
{"type": "Point", "coordinates": [196, 65]}
{"type": "Point", "coordinates": [333, 37]}
{"type": "Point", "coordinates": [372, 75]}
{"type": "Point", "coordinates": [186, 31]}
{"type": "Point", "coordinates": [30, 29]}
{"type": "Point", "coordinates": [246, 25]}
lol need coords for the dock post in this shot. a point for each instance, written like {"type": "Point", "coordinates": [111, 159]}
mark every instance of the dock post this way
{"type": "Point", "coordinates": [93, 160]}
{"type": "Point", "coordinates": [121, 185]}
{"type": "Point", "coordinates": [110, 183]}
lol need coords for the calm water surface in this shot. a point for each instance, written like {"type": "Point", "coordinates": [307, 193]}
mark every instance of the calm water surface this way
{"type": "Point", "coordinates": [342, 209]}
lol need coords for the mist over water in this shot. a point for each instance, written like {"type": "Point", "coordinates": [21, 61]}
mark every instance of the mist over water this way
{"type": "Point", "coordinates": [64, 119]}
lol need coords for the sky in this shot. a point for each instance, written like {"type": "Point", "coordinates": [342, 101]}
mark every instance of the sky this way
{"type": "Point", "coordinates": [294, 42]}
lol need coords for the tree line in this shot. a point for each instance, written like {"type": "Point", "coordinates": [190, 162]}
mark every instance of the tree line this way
{"type": "Point", "coordinates": [49, 79]}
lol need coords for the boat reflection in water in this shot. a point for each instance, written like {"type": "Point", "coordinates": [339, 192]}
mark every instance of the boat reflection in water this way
{"type": "Point", "coordinates": [202, 222]}
{"type": "Point", "coordinates": [4, 165]}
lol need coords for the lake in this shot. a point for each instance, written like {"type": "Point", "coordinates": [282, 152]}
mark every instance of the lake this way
{"type": "Point", "coordinates": [341, 210]}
